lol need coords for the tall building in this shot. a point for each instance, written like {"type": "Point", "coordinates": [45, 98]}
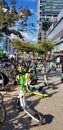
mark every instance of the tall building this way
{"type": "Point", "coordinates": [55, 33]}
{"type": "Point", "coordinates": [47, 12]}
{"type": "Point", "coordinates": [6, 44]}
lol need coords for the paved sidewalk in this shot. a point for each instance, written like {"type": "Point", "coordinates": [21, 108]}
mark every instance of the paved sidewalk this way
{"type": "Point", "coordinates": [52, 107]}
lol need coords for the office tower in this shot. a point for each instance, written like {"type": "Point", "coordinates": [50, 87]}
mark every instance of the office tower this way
{"type": "Point", "coordinates": [47, 12]}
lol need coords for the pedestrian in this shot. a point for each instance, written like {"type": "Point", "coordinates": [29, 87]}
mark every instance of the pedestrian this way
{"type": "Point", "coordinates": [58, 61]}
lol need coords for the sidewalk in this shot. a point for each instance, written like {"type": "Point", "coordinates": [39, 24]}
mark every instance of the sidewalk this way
{"type": "Point", "coordinates": [52, 107]}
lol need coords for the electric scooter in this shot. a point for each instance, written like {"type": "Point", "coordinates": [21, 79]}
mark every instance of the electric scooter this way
{"type": "Point", "coordinates": [46, 83]}
{"type": "Point", "coordinates": [34, 89]}
{"type": "Point", "coordinates": [23, 103]}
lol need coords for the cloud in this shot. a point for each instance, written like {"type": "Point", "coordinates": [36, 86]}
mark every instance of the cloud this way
{"type": "Point", "coordinates": [29, 37]}
{"type": "Point", "coordinates": [32, 10]}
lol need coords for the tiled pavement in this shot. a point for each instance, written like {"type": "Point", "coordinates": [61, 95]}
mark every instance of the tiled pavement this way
{"type": "Point", "coordinates": [51, 106]}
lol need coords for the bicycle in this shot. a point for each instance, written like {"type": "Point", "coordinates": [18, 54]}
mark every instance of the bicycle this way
{"type": "Point", "coordinates": [2, 110]}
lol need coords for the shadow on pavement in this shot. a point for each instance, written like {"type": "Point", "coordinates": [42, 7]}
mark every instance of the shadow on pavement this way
{"type": "Point", "coordinates": [58, 83]}
{"type": "Point", "coordinates": [56, 74]}
{"type": "Point", "coordinates": [49, 118]}
{"type": "Point", "coordinates": [51, 94]}
{"type": "Point", "coordinates": [15, 119]}
{"type": "Point", "coordinates": [34, 102]}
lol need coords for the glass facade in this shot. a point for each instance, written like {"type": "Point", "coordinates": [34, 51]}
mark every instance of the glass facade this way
{"type": "Point", "coordinates": [49, 8]}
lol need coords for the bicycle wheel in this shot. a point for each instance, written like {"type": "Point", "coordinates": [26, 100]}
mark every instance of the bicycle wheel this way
{"type": "Point", "coordinates": [2, 113]}
{"type": "Point", "coordinates": [1, 98]}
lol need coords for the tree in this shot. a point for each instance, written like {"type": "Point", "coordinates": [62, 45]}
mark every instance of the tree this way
{"type": "Point", "coordinates": [13, 2]}
{"type": "Point", "coordinates": [17, 45]}
{"type": "Point", "coordinates": [46, 46]}
{"type": "Point", "coordinates": [9, 17]}
{"type": "Point", "coordinates": [23, 46]}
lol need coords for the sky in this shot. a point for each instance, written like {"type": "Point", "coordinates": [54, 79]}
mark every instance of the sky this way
{"type": "Point", "coordinates": [32, 6]}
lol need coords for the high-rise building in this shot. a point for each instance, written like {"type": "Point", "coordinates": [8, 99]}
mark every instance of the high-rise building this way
{"type": "Point", "coordinates": [47, 12]}
{"type": "Point", "coordinates": [55, 33]}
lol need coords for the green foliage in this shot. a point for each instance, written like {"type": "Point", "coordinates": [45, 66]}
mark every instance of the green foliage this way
{"type": "Point", "coordinates": [45, 46]}
{"type": "Point", "coordinates": [9, 17]}
{"type": "Point", "coordinates": [22, 46]}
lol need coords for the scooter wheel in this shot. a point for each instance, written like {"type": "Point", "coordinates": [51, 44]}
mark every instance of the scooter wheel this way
{"type": "Point", "coordinates": [41, 118]}
{"type": "Point", "coordinates": [1, 98]}
{"type": "Point", "coordinates": [2, 113]}
{"type": "Point", "coordinates": [18, 105]}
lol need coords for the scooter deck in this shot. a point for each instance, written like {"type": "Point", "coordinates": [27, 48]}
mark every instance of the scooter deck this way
{"type": "Point", "coordinates": [29, 110]}
{"type": "Point", "coordinates": [34, 115]}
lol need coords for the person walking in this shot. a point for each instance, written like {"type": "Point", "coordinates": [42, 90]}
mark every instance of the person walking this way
{"type": "Point", "coordinates": [58, 62]}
